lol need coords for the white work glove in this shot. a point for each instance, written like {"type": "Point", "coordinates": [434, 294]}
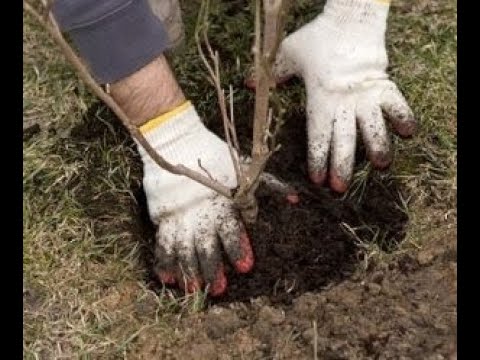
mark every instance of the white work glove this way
{"type": "Point", "coordinates": [194, 222]}
{"type": "Point", "coordinates": [342, 58]}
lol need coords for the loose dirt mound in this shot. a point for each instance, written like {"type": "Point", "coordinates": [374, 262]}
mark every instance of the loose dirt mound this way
{"type": "Point", "coordinates": [404, 311]}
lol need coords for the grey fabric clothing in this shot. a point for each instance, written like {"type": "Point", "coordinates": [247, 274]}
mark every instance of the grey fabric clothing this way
{"type": "Point", "coordinates": [114, 37]}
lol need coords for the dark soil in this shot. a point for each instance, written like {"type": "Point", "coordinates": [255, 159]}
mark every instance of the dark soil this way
{"type": "Point", "coordinates": [310, 273]}
{"type": "Point", "coordinates": [304, 247]}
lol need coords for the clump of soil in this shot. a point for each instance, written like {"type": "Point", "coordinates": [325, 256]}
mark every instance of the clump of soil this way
{"type": "Point", "coordinates": [393, 312]}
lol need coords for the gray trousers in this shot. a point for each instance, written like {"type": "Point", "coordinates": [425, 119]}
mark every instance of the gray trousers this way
{"type": "Point", "coordinates": [118, 37]}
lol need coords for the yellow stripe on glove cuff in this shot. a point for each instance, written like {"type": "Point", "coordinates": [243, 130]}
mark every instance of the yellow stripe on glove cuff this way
{"type": "Point", "coordinates": [160, 120]}
{"type": "Point", "coordinates": [384, 2]}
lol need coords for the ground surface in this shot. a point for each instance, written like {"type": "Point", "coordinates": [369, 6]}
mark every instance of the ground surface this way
{"type": "Point", "coordinates": [369, 275]}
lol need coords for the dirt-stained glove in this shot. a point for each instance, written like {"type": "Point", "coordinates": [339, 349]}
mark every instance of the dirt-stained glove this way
{"type": "Point", "coordinates": [194, 222]}
{"type": "Point", "coordinates": [341, 56]}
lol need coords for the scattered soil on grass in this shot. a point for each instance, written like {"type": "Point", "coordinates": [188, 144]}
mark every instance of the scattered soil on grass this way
{"type": "Point", "coordinates": [403, 310]}
{"type": "Point", "coordinates": [311, 287]}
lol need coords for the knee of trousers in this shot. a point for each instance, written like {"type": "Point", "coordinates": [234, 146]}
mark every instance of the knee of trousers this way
{"type": "Point", "coordinates": [170, 14]}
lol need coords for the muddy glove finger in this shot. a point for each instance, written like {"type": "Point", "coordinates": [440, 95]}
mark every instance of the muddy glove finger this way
{"type": "Point", "coordinates": [396, 108]}
{"type": "Point", "coordinates": [165, 266]}
{"type": "Point", "coordinates": [235, 240]}
{"type": "Point", "coordinates": [374, 133]}
{"type": "Point", "coordinates": [343, 146]}
{"type": "Point", "coordinates": [320, 115]}
{"type": "Point", "coordinates": [210, 259]}
{"type": "Point", "coordinates": [188, 274]}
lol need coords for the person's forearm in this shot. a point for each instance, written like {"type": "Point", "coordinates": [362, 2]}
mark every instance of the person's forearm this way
{"type": "Point", "coordinates": [122, 43]}
{"type": "Point", "coordinates": [149, 92]}
{"type": "Point", "coordinates": [114, 37]}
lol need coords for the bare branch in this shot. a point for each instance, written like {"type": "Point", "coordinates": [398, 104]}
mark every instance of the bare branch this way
{"type": "Point", "coordinates": [264, 51]}
{"type": "Point", "coordinates": [232, 123]}
{"type": "Point", "coordinates": [263, 64]}
{"type": "Point", "coordinates": [199, 161]}
{"type": "Point", "coordinates": [52, 27]}
{"type": "Point", "coordinates": [215, 77]}
{"type": "Point", "coordinates": [272, 32]}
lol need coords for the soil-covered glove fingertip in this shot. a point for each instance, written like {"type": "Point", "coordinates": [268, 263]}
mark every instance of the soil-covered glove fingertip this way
{"type": "Point", "coordinates": [245, 264]}
{"type": "Point", "coordinates": [338, 183]}
{"type": "Point", "coordinates": [219, 285]}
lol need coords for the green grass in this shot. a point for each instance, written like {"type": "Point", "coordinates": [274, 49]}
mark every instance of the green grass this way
{"type": "Point", "coordinates": [85, 248]}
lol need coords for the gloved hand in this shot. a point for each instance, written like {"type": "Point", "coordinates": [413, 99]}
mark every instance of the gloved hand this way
{"type": "Point", "coordinates": [342, 58]}
{"type": "Point", "coordinates": [194, 222]}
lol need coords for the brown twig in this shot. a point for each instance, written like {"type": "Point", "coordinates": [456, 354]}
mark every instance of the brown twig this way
{"type": "Point", "coordinates": [51, 26]}
{"type": "Point", "coordinates": [232, 122]}
{"type": "Point", "coordinates": [264, 56]}
{"type": "Point", "coordinates": [213, 68]}
{"type": "Point", "coordinates": [249, 178]}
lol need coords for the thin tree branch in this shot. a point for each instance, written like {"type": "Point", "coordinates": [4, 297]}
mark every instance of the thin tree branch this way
{"type": "Point", "coordinates": [214, 72]}
{"type": "Point", "coordinates": [264, 56]}
{"type": "Point", "coordinates": [249, 174]}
